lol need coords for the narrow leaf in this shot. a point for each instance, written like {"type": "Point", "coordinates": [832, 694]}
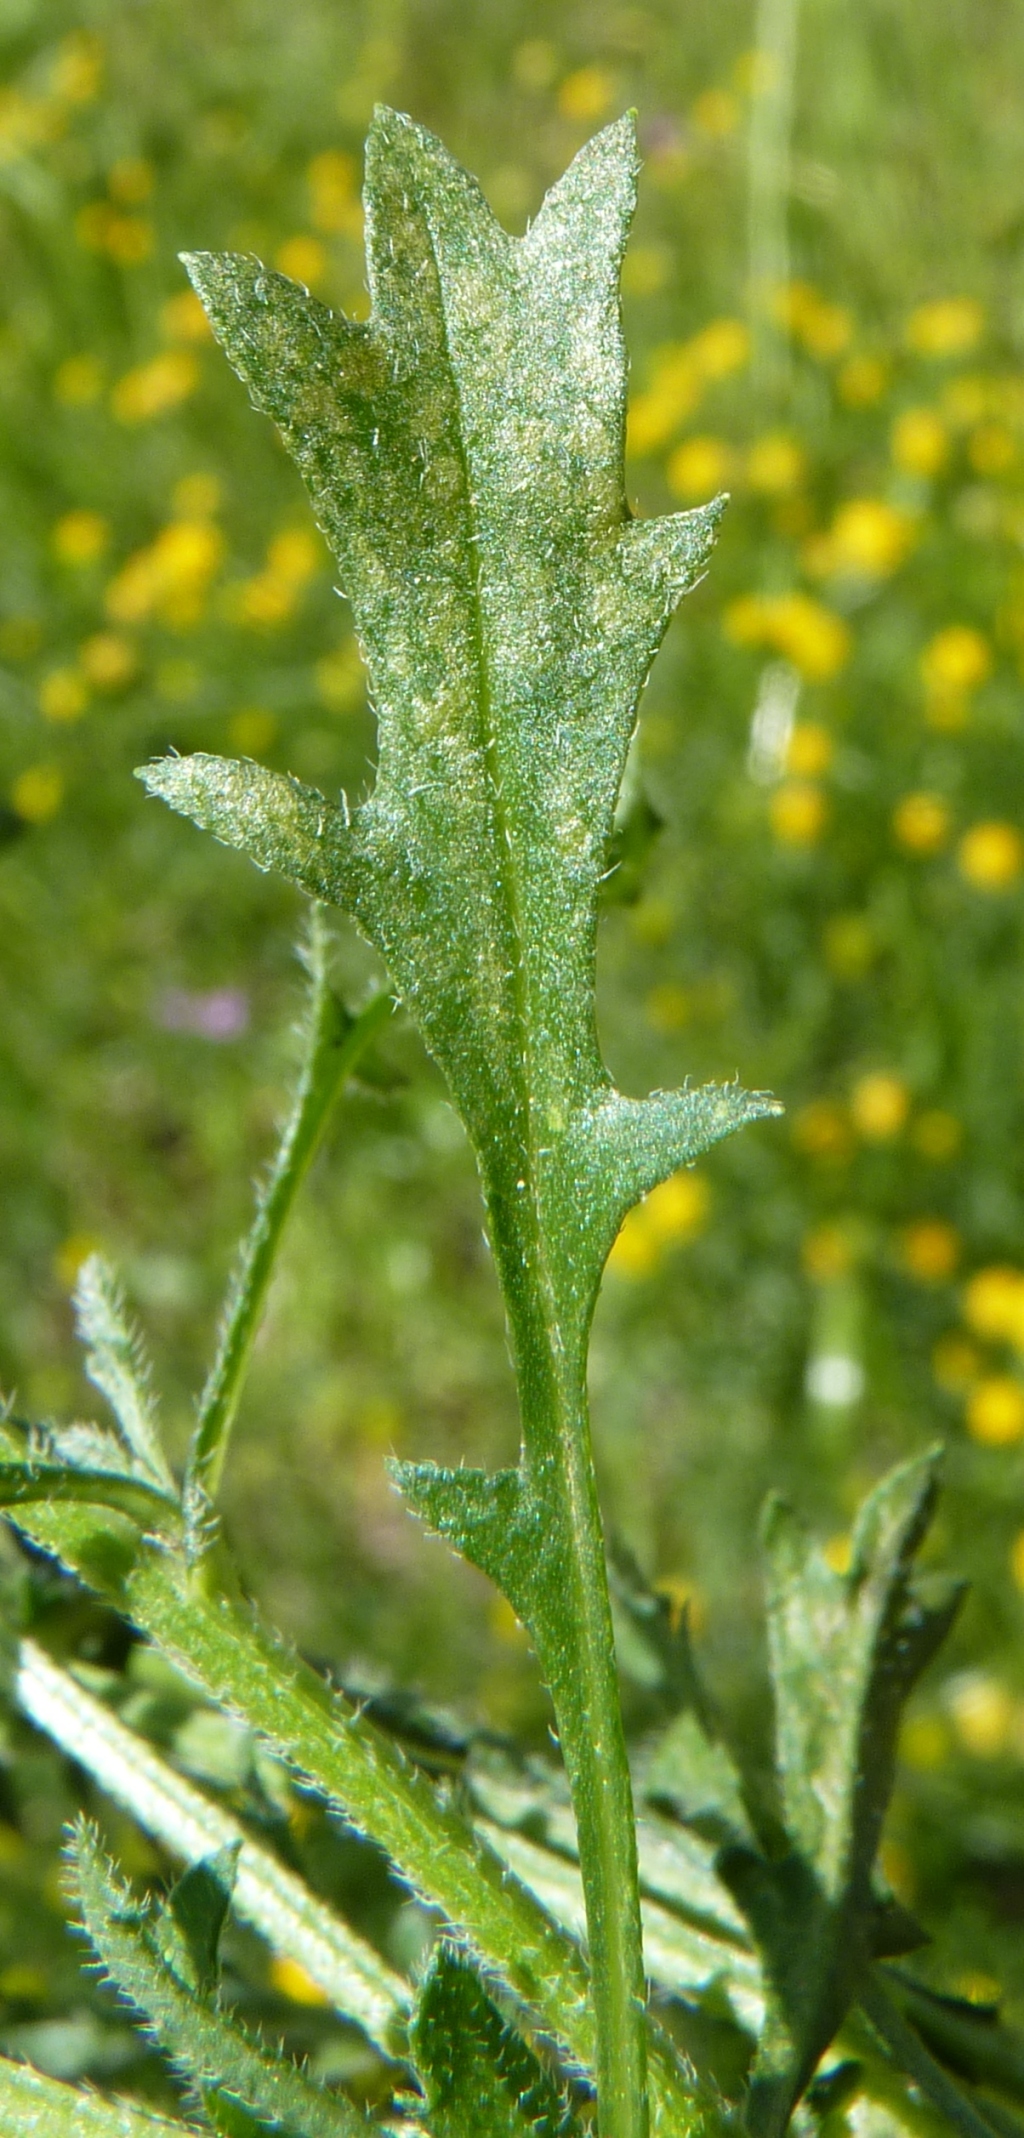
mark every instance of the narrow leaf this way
{"type": "Point", "coordinates": [205, 2044]}
{"type": "Point", "coordinates": [266, 1894]}
{"type": "Point", "coordinates": [37, 2107]}
{"type": "Point", "coordinates": [334, 1043]}
{"type": "Point", "coordinates": [117, 1364]}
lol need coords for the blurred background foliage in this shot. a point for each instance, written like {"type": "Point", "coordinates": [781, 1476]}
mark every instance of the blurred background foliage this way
{"type": "Point", "coordinates": [820, 880]}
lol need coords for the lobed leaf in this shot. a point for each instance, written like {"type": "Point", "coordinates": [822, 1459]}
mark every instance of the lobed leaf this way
{"type": "Point", "coordinates": [481, 2078]}
{"type": "Point", "coordinates": [845, 1651]}
{"type": "Point", "coordinates": [211, 2049]}
{"type": "Point", "coordinates": [117, 1364]}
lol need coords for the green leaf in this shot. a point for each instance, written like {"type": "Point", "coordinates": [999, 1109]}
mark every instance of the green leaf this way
{"type": "Point", "coordinates": [80, 1462]}
{"type": "Point", "coordinates": [845, 1651]}
{"type": "Point", "coordinates": [210, 2048]}
{"type": "Point", "coordinates": [481, 2079]}
{"type": "Point", "coordinates": [464, 453]}
{"type": "Point", "coordinates": [117, 1364]}
{"type": "Point", "coordinates": [334, 1042]}
{"type": "Point", "coordinates": [266, 1893]}
{"type": "Point", "coordinates": [190, 1924]}
{"type": "Point", "coordinates": [252, 1674]}
{"type": "Point", "coordinates": [37, 2107]}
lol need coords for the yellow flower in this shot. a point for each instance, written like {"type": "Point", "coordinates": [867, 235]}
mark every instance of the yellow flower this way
{"type": "Point", "coordinates": [880, 1104]}
{"type": "Point", "coordinates": [936, 1134]}
{"type": "Point", "coordinates": [654, 415]}
{"type": "Point", "coordinates": [813, 638]}
{"type": "Point", "coordinates": [37, 793]}
{"type": "Point", "coordinates": [80, 537]}
{"type": "Point", "coordinates": [108, 661]}
{"type": "Point", "coordinates": [154, 388]}
{"type": "Point", "coordinates": [921, 823]}
{"type": "Point", "coordinates": [295, 555]}
{"type": "Point", "coordinates": [335, 206]}
{"type": "Point", "coordinates": [982, 1713]}
{"type": "Point", "coordinates": [78, 68]}
{"type": "Point", "coordinates": [995, 1411]}
{"type": "Point", "coordinates": [826, 1253]}
{"type": "Point", "coordinates": [798, 812]}
{"type": "Point", "coordinates": [341, 678]}
{"type": "Point", "coordinates": [862, 381]}
{"type": "Point", "coordinates": [171, 578]}
{"type": "Point", "coordinates": [720, 348]}
{"type": "Point", "coordinates": [302, 259]}
{"type": "Point", "coordinates": [822, 328]}
{"type": "Point", "coordinates": [673, 1212]}
{"type": "Point", "coordinates": [294, 1981]}
{"type": "Point", "coordinates": [182, 318]}
{"type": "Point", "coordinates": [867, 538]}
{"type": "Point", "coordinates": [991, 449]}
{"type": "Point", "coordinates": [991, 856]}
{"type": "Point", "coordinates": [953, 665]}
{"type": "Point", "coordinates": [715, 113]}
{"type": "Point", "coordinates": [585, 95]}
{"type": "Point", "coordinates": [776, 464]}
{"type": "Point", "coordinates": [947, 327]}
{"type": "Point", "coordinates": [822, 1130]}
{"type": "Point", "coordinates": [698, 469]}
{"type": "Point", "coordinates": [63, 694]}
{"type": "Point", "coordinates": [78, 381]}
{"type": "Point", "coordinates": [128, 239]}
{"type": "Point", "coordinates": [811, 749]}
{"type": "Point", "coordinates": [993, 1304]}
{"type": "Point", "coordinates": [955, 1364]}
{"type": "Point", "coordinates": [931, 1250]}
{"type": "Point", "coordinates": [920, 442]}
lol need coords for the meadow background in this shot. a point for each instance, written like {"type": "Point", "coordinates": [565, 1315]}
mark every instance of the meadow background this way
{"type": "Point", "coordinates": [820, 880]}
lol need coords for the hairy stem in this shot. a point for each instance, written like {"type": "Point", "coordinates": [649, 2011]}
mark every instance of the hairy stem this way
{"type": "Point", "coordinates": [334, 1043]}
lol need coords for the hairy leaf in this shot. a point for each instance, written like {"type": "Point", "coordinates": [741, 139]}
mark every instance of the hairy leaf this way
{"type": "Point", "coordinates": [36, 2107]}
{"type": "Point", "coordinates": [351, 1974]}
{"type": "Point", "coordinates": [845, 1651]}
{"type": "Point", "coordinates": [210, 2048]}
{"type": "Point", "coordinates": [227, 1651]}
{"type": "Point", "coordinates": [117, 1364]}
{"type": "Point", "coordinates": [464, 452]}
{"type": "Point", "coordinates": [80, 1462]}
{"type": "Point", "coordinates": [481, 2079]}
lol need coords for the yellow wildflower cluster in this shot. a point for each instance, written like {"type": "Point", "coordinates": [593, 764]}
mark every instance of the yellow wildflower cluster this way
{"type": "Point", "coordinates": [28, 120]}
{"type": "Point", "coordinates": [80, 537]}
{"type": "Point", "coordinates": [680, 374]}
{"type": "Point", "coordinates": [879, 1105]}
{"type": "Point", "coordinates": [991, 856]}
{"type": "Point", "coordinates": [586, 95]}
{"type": "Point", "coordinates": [673, 1212]}
{"type": "Point", "coordinates": [920, 442]}
{"type": "Point", "coordinates": [947, 327]}
{"type": "Point", "coordinates": [334, 204]}
{"type": "Point", "coordinates": [182, 318]}
{"type": "Point", "coordinates": [270, 597]}
{"type": "Point", "coordinates": [868, 539]}
{"type": "Point", "coordinates": [110, 226]}
{"type": "Point", "coordinates": [813, 638]}
{"type": "Point", "coordinates": [303, 259]}
{"type": "Point", "coordinates": [953, 665]}
{"type": "Point", "coordinates": [155, 388]}
{"type": "Point", "coordinates": [822, 328]}
{"type": "Point", "coordinates": [37, 793]}
{"type": "Point", "coordinates": [921, 823]}
{"type": "Point", "coordinates": [993, 1308]}
{"type": "Point", "coordinates": [798, 813]}
{"type": "Point", "coordinates": [171, 578]}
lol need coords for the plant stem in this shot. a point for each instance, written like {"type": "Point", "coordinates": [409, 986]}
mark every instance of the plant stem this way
{"type": "Point", "coordinates": [334, 1043]}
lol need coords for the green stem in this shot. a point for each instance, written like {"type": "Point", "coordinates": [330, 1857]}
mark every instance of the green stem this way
{"type": "Point", "coordinates": [334, 1044]}
{"type": "Point", "coordinates": [572, 1626]}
